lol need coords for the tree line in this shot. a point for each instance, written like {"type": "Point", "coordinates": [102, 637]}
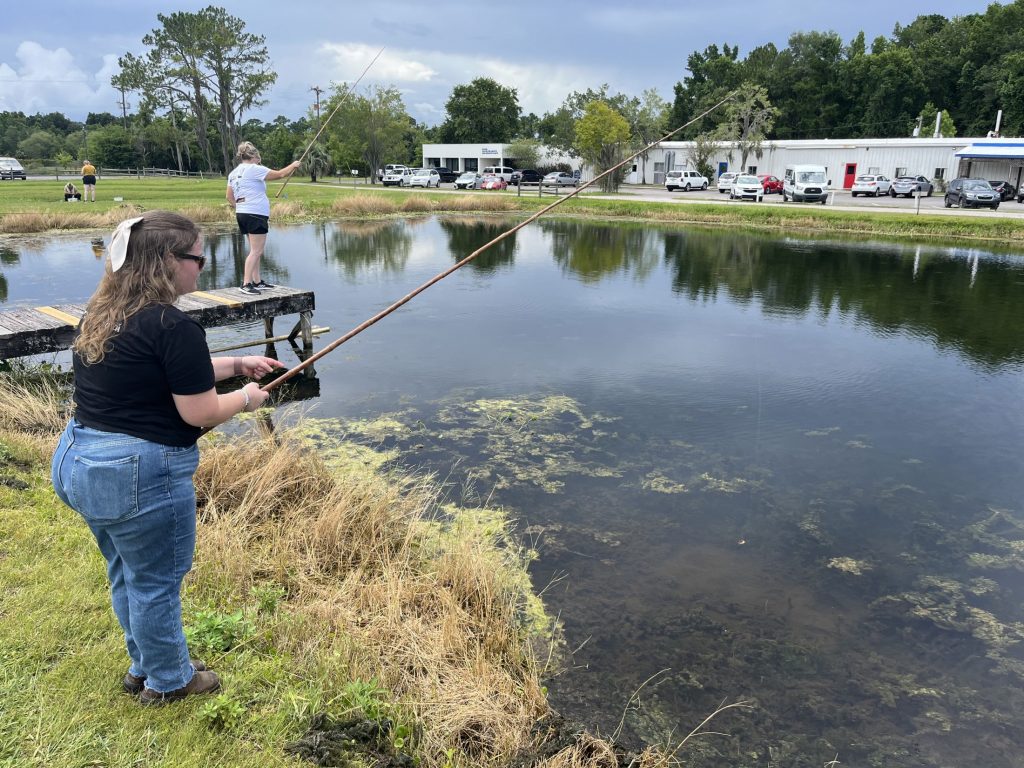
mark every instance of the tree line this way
{"type": "Point", "coordinates": [202, 74]}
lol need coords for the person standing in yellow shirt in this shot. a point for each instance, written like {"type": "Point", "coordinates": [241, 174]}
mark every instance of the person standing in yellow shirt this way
{"type": "Point", "coordinates": [89, 181]}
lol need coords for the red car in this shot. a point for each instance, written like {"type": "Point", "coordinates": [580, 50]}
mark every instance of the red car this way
{"type": "Point", "coordinates": [493, 182]}
{"type": "Point", "coordinates": [772, 185]}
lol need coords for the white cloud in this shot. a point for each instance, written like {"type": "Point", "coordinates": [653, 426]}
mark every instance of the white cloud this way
{"type": "Point", "coordinates": [349, 59]}
{"type": "Point", "coordinates": [48, 80]}
{"type": "Point", "coordinates": [427, 109]}
{"type": "Point", "coordinates": [431, 75]}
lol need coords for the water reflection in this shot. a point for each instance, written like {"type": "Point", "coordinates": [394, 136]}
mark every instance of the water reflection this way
{"type": "Point", "coordinates": [360, 246]}
{"type": "Point", "coordinates": [465, 235]}
{"type": "Point", "coordinates": [594, 252]}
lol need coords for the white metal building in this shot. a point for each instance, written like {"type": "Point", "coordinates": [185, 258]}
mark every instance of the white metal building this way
{"type": "Point", "coordinates": [475, 157]}
{"type": "Point", "coordinates": [990, 158]}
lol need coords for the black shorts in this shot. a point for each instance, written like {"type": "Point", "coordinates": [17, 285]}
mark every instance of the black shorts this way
{"type": "Point", "coordinates": [252, 223]}
{"type": "Point", "coordinates": [90, 179]}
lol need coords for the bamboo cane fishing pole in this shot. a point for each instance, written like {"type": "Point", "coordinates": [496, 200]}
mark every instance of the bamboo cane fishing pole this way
{"type": "Point", "coordinates": [341, 100]}
{"type": "Point", "coordinates": [441, 276]}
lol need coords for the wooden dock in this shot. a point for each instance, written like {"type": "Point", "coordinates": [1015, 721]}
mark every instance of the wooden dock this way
{"type": "Point", "coordinates": [39, 330]}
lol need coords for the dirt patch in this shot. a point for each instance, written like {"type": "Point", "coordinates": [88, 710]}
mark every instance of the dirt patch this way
{"type": "Point", "coordinates": [352, 743]}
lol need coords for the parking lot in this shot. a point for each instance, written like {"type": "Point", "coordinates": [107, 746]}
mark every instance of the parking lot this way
{"type": "Point", "coordinates": [839, 199]}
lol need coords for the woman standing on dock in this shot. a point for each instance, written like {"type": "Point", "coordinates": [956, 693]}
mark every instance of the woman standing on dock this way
{"type": "Point", "coordinates": [247, 192]}
{"type": "Point", "coordinates": [144, 389]}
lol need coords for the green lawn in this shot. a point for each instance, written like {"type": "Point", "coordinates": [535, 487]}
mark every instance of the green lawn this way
{"type": "Point", "coordinates": [62, 658]}
{"type": "Point", "coordinates": [174, 193]}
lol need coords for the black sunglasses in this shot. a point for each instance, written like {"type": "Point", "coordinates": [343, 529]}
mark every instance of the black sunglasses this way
{"type": "Point", "coordinates": [200, 260]}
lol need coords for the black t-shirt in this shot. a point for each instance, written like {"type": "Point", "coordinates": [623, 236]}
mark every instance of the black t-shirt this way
{"type": "Point", "coordinates": [160, 351]}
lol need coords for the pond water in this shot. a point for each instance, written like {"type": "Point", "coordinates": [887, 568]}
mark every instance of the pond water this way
{"type": "Point", "coordinates": [754, 467]}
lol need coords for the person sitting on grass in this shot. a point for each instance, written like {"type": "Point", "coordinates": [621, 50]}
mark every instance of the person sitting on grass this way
{"type": "Point", "coordinates": [71, 192]}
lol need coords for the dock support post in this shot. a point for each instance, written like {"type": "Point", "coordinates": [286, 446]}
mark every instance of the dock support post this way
{"type": "Point", "coordinates": [305, 327]}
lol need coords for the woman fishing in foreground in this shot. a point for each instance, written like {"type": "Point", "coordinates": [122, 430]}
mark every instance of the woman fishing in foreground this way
{"type": "Point", "coordinates": [144, 389]}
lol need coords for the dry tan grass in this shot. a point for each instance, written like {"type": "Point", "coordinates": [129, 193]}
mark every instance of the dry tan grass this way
{"type": "Point", "coordinates": [51, 220]}
{"type": "Point", "coordinates": [591, 752]}
{"type": "Point", "coordinates": [207, 215]}
{"type": "Point", "coordinates": [480, 203]}
{"type": "Point", "coordinates": [36, 407]}
{"type": "Point", "coordinates": [287, 208]}
{"type": "Point", "coordinates": [418, 204]}
{"type": "Point", "coordinates": [364, 205]}
{"type": "Point", "coordinates": [433, 616]}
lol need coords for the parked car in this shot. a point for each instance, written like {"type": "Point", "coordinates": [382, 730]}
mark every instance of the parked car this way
{"type": "Point", "coordinates": [772, 185]}
{"type": "Point", "coordinates": [1020, 194]}
{"type": "Point", "coordinates": [907, 185]}
{"type": "Point", "coordinates": [492, 181]}
{"type": "Point", "coordinates": [685, 180]}
{"type": "Point", "coordinates": [725, 182]}
{"type": "Point", "coordinates": [425, 177]}
{"type": "Point", "coordinates": [389, 168]}
{"type": "Point", "coordinates": [499, 170]}
{"type": "Point", "coordinates": [526, 176]}
{"type": "Point", "coordinates": [746, 187]}
{"type": "Point", "coordinates": [396, 176]}
{"type": "Point", "coordinates": [468, 180]}
{"type": "Point", "coordinates": [971, 193]}
{"type": "Point", "coordinates": [1005, 189]}
{"type": "Point", "coordinates": [11, 169]}
{"type": "Point", "coordinates": [447, 175]}
{"type": "Point", "coordinates": [871, 184]}
{"type": "Point", "coordinates": [559, 179]}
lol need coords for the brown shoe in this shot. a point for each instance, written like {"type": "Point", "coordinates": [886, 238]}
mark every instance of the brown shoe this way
{"type": "Point", "coordinates": [134, 685]}
{"type": "Point", "coordinates": [201, 682]}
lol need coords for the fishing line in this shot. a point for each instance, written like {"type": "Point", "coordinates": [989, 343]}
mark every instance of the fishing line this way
{"type": "Point", "coordinates": [341, 101]}
{"type": "Point", "coordinates": [437, 278]}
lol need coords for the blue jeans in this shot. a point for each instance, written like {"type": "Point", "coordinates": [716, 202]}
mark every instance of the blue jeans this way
{"type": "Point", "coordinates": [138, 500]}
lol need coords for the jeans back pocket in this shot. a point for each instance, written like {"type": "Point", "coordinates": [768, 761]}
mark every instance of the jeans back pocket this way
{"type": "Point", "coordinates": [105, 491]}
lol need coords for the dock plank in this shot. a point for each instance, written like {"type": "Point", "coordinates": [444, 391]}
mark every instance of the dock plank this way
{"type": "Point", "coordinates": [26, 331]}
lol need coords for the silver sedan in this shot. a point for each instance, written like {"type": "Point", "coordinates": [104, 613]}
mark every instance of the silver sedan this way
{"type": "Point", "coordinates": [559, 179]}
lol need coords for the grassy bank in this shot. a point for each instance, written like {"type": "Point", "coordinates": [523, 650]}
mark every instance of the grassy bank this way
{"type": "Point", "coordinates": [36, 206]}
{"type": "Point", "coordinates": [318, 588]}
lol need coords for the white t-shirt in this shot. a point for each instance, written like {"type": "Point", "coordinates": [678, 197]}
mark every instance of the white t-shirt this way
{"type": "Point", "coordinates": [248, 183]}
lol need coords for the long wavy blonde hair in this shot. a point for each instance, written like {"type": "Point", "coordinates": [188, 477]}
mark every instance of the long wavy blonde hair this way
{"type": "Point", "coordinates": [146, 278]}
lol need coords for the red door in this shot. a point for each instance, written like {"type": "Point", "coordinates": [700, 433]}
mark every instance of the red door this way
{"type": "Point", "coordinates": [851, 175]}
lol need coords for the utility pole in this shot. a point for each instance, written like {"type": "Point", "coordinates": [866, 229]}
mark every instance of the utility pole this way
{"type": "Point", "coordinates": [124, 108]}
{"type": "Point", "coordinates": [317, 90]}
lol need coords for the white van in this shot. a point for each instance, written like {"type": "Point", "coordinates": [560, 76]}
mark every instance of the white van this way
{"type": "Point", "coordinates": [805, 183]}
{"type": "Point", "coordinates": [499, 170]}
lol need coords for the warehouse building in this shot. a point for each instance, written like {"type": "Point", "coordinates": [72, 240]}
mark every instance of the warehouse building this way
{"type": "Point", "coordinates": [938, 159]}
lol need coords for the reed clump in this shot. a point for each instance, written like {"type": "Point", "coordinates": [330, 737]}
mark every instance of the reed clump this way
{"type": "Point", "coordinates": [364, 205]}
{"type": "Point", "coordinates": [419, 204]}
{"type": "Point", "coordinates": [25, 222]}
{"type": "Point", "coordinates": [288, 209]}
{"type": "Point", "coordinates": [202, 214]}
{"type": "Point", "coordinates": [481, 203]}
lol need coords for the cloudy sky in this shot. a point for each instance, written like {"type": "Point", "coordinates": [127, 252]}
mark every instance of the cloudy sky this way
{"type": "Point", "coordinates": [57, 55]}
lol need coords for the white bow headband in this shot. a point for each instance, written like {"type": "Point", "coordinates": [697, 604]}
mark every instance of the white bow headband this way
{"type": "Point", "coordinates": [119, 242]}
